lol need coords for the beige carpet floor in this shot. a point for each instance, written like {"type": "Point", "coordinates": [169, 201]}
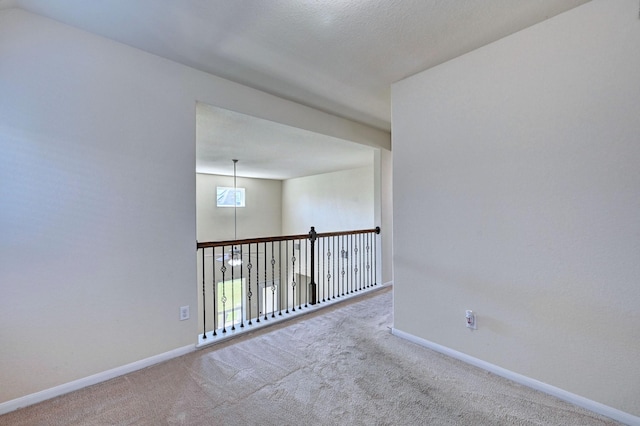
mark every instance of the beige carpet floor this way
{"type": "Point", "coordinates": [338, 366]}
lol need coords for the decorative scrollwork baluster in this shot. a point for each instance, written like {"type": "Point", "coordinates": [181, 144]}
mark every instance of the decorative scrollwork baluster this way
{"type": "Point", "coordinates": [328, 273]}
{"type": "Point", "coordinates": [223, 299]}
{"type": "Point", "coordinates": [273, 283]}
{"type": "Point", "coordinates": [293, 277]}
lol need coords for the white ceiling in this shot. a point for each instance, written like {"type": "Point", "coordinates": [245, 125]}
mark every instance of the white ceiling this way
{"type": "Point", "coordinates": [268, 150]}
{"type": "Point", "coordinates": [339, 56]}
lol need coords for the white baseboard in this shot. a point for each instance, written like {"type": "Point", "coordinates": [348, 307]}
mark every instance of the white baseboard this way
{"type": "Point", "coordinates": [34, 398]}
{"type": "Point", "coordinates": [578, 400]}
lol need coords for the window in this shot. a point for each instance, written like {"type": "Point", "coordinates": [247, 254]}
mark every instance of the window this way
{"type": "Point", "coordinates": [229, 197]}
{"type": "Point", "coordinates": [230, 312]}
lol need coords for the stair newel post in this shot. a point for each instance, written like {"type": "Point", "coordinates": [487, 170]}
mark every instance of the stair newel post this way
{"type": "Point", "coordinates": [313, 299]}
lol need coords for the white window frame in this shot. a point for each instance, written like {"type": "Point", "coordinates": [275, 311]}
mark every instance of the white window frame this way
{"type": "Point", "coordinates": [226, 194]}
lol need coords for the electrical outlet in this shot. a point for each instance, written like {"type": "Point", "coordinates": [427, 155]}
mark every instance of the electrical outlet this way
{"type": "Point", "coordinates": [184, 313]}
{"type": "Point", "coordinates": [470, 318]}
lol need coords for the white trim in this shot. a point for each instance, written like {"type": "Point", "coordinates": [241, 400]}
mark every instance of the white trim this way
{"type": "Point", "coordinates": [34, 398]}
{"type": "Point", "coordinates": [564, 395]}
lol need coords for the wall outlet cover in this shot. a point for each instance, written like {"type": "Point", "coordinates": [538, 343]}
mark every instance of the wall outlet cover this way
{"type": "Point", "coordinates": [470, 319]}
{"type": "Point", "coordinates": [184, 313]}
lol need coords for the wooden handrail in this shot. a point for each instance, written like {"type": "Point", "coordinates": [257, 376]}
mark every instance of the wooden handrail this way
{"type": "Point", "coordinates": [282, 238]}
{"type": "Point", "coordinates": [360, 231]}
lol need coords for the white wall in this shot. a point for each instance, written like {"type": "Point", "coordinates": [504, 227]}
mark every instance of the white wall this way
{"type": "Point", "coordinates": [517, 195]}
{"type": "Point", "coordinates": [261, 216]}
{"type": "Point", "coordinates": [346, 200]}
{"type": "Point", "coordinates": [385, 214]}
{"type": "Point", "coordinates": [338, 201]}
{"type": "Point", "coordinates": [97, 196]}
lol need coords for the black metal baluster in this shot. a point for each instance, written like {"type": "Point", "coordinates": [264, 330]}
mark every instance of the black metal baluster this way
{"type": "Point", "coordinates": [320, 277]}
{"type": "Point", "coordinates": [258, 305]}
{"type": "Point", "coordinates": [306, 269]}
{"type": "Point", "coordinates": [300, 272]}
{"type": "Point", "coordinates": [223, 299]}
{"type": "Point", "coordinates": [280, 293]}
{"type": "Point", "coordinates": [313, 296]}
{"type": "Point", "coordinates": [325, 267]}
{"type": "Point", "coordinates": [204, 300]}
{"type": "Point", "coordinates": [324, 276]}
{"type": "Point", "coordinates": [249, 292]}
{"type": "Point", "coordinates": [368, 257]}
{"type": "Point", "coordinates": [362, 263]}
{"type": "Point", "coordinates": [265, 280]}
{"type": "Point", "coordinates": [329, 268]}
{"type": "Point", "coordinates": [374, 242]}
{"type": "Point", "coordinates": [332, 281]}
{"type": "Point", "coordinates": [215, 293]}
{"type": "Point", "coordinates": [241, 291]}
{"type": "Point", "coordinates": [323, 283]}
{"type": "Point", "coordinates": [233, 291]}
{"type": "Point", "coordinates": [363, 269]}
{"type": "Point", "coordinates": [359, 261]}
{"type": "Point", "coordinates": [348, 256]}
{"type": "Point", "coordinates": [354, 266]}
{"type": "Point", "coordinates": [273, 283]}
{"type": "Point", "coordinates": [351, 259]}
{"type": "Point", "coordinates": [341, 264]}
{"type": "Point", "coordinates": [329, 263]}
{"type": "Point", "coordinates": [355, 263]}
{"type": "Point", "coordinates": [363, 254]}
{"type": "Point", "coordinates": [333, 267]}
{"type": "Point", "coordinates": [286, 273]}
{"type": "Point", "coordinates": [293, 275]}
{"type": "Point", "coordinates": [345, 260]}
{"type": "Point", "coordinates": [342, 261]}
{"type": "Point", "coordinates": [316, 268]}
{"type": "Point", "coordinates": [359, 238]}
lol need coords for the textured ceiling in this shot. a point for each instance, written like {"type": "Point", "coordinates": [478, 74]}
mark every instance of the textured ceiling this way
{"type": "Point", "coordinates": [339, 56]}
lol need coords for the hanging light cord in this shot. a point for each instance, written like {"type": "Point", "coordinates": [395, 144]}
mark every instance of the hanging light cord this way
{"type": "Point", "coordinates": [235, 203]}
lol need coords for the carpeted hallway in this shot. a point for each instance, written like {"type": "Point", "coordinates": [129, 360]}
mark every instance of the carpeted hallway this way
{"type": "Point", "coordinates": [339, 366]}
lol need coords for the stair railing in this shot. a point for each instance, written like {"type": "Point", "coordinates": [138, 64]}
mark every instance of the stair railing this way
{"type": "Point", "coordinates": [257, 280]}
